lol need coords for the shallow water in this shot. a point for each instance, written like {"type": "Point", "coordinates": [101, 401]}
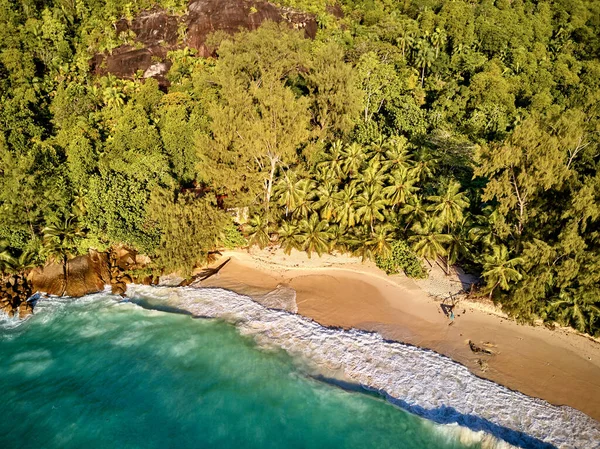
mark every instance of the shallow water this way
{"type": "Point", "coordinates": [95, 372]}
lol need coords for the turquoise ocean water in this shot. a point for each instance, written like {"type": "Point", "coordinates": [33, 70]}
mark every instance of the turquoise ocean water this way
{"type": "Point", "coordinates": [99, 373]}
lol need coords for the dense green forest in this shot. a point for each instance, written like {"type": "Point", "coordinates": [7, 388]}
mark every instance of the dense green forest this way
{"type": "Point", "coordinates": [409, 132]}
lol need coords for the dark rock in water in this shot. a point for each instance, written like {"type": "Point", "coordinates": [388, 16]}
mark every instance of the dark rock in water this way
{"type": "Point", "coordinates": [25, 309]}
{"type": "Point", "coordinates": [158, 33]}
{"type": "Point", "coordinates": [118, 288]}
{"type": "Point", "coordinates": [14, 292]}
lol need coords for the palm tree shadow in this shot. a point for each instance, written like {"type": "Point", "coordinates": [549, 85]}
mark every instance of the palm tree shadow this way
{"type": "Point", "coordinates": [204, 274]}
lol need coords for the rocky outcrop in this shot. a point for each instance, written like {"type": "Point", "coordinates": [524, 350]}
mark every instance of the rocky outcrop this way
{"type": "Point", "coordinates": [85, 274]}
{"type": "Point", "coordinates": [14, 292]}
{"type": "Point", "coordinates": [157, 32]}
{"type": "Point", "coordinates": [122, 261]}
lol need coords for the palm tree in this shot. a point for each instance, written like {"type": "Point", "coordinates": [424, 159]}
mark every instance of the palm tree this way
{"type": "Point", "coordinates": [345, 208]}
{"type": "Point", "coordinates": [449, 206]}
{"type": "Point", "coordinates": [424, 166]}
{"type": "Point", "coordinates": [374, 174]}
{"type": "Point", "coordinates": [370, 205]}
{"type": "Point", "coordinates": [458, 246]}
{"type": "Point", "coordinates": [424, 57]}
{"type": "Point", "coordinates": [79, 203]}
{"type": "Point", "coordinates": [377, 148]}
{"type": "Point", "coordinates": [333, 161]}
{"type": "Point", "coordinates": [438, 39]}
{"type": "Point", "coordinates": [6, 258]}
{"type": "Point", "coordinates": [258, 231]}
{"type": "Point", "coordinates": [326, 202]}
{"type": "Point", "coordinates": [22, 264]}
{"type": "Point", "coordinates": [576, 309]}
{"type": "Point", "coordinates": [357, 239]}
{"type": "Point", "coordinates": [429, 239]}
{"type": "Point", "coordinates": [305, 193]}
{"type": "Point", "coordinates": [396, 155]}
{"type": "Point", "coordinates": [288, 237]}
{"type": "Point", "coordinates": [314, 235]}
{"type": "Point", "coordinates": [405, 41]}
{"type": "Point", "coordinates": [113, 97]}
{"type": "Point", "coordinates": [285, 192]}
{"type": "Point", "coordinates": [60, 242]}
{"type": "Point", "coordinates": [354, 155]}
{"type": "Point", "coordinates": [402, 187]}
{"type": "Point", "coordinates": [414, 210]}
{"type": "Point", "coordinates": [499, 270]}
{"type": "Point", "coordinates": [380, 242]}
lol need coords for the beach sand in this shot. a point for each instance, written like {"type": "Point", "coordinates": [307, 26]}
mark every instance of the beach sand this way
{"type": "Point", "coordinates": [557, 365]}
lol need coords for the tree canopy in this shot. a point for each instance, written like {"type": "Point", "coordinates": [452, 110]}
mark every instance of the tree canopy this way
{"type": "Point", "coordinates": [458, 132]}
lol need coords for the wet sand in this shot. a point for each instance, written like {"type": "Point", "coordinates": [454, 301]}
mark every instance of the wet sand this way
{"type": "Point", "coordinates": [558, 365]}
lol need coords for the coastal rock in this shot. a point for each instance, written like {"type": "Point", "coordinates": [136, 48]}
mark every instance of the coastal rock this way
{"type": "Point", "coordinates": [14, 291]}
{"type": "Point", "coordinates": [85, 274]}
{"type": "Point", "coordinates": [25, 309]}
{"type": "Point", "coordinates": [157, 33]}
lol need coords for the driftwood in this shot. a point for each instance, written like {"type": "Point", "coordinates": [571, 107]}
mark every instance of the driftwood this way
{"type": "Point", "coordinates": [476, 348]}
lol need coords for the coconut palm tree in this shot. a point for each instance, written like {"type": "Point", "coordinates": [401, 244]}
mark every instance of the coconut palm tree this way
{"type": "Point", "coordinates": [375, 173]}
{"type": "Point", "coordinates": [370, 205]}
{"type": "Point", "coordinates": [438, 39]}
{"type": "Point", "coordinates": [424, 166]}
{"type": "Point", "coordinates": [482, 231]}
{"type": "Point", "coordinates": [414, 210]}
{"type": "Point", "coordinates": [305, 193]}
{"type": "Point", "coordinates": [457, 247]}
{"type": "Point", "coordinates": [429, 240]}
{"type": "Point", "coordinates": [288, 237]}
{"type": "Point", "coordinates": [326, 201]}
{"type": "Point", "coordinates": [377, 148]}
{"type": "Point", "coordinates": [332, 163]}
{"type": "Point", "coordinates": [449, 206]}
{"type": "Point", "coordinates": [22, 264]}
{"type": "Point", "coordinates": [425, 56]}
{"type": "Point", "coordinates": [257, 230]}
{"type": "Point", "coordinates": [285, 192]}
{"type": "Point", "coordinates": [402, 188]}
{"type": "Point", "coordinates": [354, 155]}
{"type": "Point", "coordinates": [60, 242]}
{"type": "Point", "coordinates": [499, 270]}
{"type": "Point", "coordinates": [576, 308]}
{"type": "Point", "coordinates": [345, 208]}
{"type": "Point", "coordinates": [396, 154]}
{"type": "Point", "coordinates": [380, 242]}
{"type": "Point", "coordinates": [6, 258]}
{"type": "Point", "coordinates": [314, 235]}
{"type": "Point", "coordinates": [113, 97]}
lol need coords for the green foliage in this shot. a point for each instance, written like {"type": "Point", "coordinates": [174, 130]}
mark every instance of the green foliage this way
{"type": "Point", "coordinates": [232, 238]}
{"type": "Point", "coordinates": [188, 227]}
{"type": "Point", "coordinates": [456, 132]}
{"type": "Point", "coordinates": [402, 258]}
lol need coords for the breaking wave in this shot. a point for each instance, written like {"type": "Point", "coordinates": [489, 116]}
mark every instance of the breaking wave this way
{"type": "Point", "coordinates": [418, 380]}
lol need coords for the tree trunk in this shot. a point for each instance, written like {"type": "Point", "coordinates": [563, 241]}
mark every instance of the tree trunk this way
{"type": "Point", "coordinates": [273, 160]}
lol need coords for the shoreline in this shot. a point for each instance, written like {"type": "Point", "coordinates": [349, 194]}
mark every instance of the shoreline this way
{"type": "Point", "coordinates": [558, 366]}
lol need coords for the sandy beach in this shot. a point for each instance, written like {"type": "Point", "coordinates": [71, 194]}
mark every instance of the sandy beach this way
{"type": "Point", "coordinates": [557, 365]}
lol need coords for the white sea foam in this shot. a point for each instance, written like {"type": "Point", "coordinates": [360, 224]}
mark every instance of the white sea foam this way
{"type": "Point", "coordinates": [418, 380]}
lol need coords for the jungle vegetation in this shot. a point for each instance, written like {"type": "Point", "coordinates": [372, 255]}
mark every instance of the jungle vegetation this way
{"type": "Point", "coordinates": [409, 132]}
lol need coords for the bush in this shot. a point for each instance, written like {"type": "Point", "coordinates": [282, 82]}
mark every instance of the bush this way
{"type": "Point", "coordinates": [402, 258]}
{"type": "Point", "coordinates": [232, 238]}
